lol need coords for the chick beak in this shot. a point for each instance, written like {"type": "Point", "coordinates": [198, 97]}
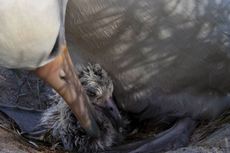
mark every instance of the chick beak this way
{"type": "Point", "coordinates": [60, 75]}
{"type": "Point", "coordinates": [113, 113]}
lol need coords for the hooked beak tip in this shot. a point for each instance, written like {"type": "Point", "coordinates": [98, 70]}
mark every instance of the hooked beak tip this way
{"type": "Point", "coordinates": [92, 129]}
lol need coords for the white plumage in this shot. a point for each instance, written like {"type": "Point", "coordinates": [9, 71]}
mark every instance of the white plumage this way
{"type": "Point", "coordinates": [28, 32]}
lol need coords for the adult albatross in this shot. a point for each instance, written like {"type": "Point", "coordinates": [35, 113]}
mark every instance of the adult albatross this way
{"type": "Point", "coordinates": [32, 37]}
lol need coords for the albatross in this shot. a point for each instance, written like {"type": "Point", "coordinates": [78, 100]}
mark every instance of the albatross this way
{"type": "Point", "coordinates": [32, 36]}
{"type": "Point", "coordinates": [169, 60]}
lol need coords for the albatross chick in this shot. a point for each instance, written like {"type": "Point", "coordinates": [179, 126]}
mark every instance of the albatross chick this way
{"type": "Point", "coordinates": [58, 123]}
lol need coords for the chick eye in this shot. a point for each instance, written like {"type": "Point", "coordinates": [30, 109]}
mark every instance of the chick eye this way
{"type": "Point", "coordinates": [91, 93]}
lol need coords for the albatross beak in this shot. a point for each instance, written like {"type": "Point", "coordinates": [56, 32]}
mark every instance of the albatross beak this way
{"type": "Point", "coordinates": [60, 74]}
{"type": "Point", "coordinates": [113, 113]}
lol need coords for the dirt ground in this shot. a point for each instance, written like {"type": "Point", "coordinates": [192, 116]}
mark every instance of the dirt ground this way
{"type": "Point", "coordinates": [21, 88]}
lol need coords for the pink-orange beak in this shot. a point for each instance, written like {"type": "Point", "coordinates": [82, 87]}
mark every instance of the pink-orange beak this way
{"type": "Point", "coordinates": [60, 74]}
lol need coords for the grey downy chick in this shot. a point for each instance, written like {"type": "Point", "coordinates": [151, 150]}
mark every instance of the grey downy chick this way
{"type": "Point", "coordinates": [59, 125]}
